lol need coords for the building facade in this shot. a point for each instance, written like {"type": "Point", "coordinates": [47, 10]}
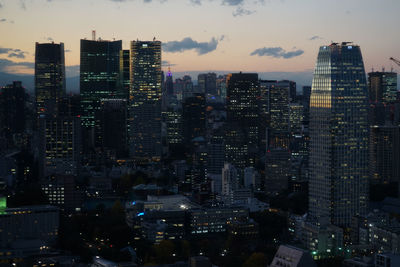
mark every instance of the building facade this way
{"type": "Point", "coordinates": [49, 76]}
{"type": "Point", "coordinates": [145, 100]}
{"type": "Point", "coordinates": [99, 79]}
{"type": "Point", "coordinates": [339, 136]}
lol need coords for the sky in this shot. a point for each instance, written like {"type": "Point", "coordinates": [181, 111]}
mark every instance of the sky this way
{"type": "Point", "coordinates": [203, 35]}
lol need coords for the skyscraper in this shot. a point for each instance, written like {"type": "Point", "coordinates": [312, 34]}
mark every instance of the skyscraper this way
{"type": "Point", "coordinates": [49, 76]}
{"type": "Point", "coordinates": [279, 111]}
{"type": "Point", "coordinates": [207, 83]}
{"type": "Point", "coordinates": [384, 153]}
{"type": "Point", "coordinates": [339, 134]}
{"type": "Point", "coordinates": [382, 86]}
{"type": "Point", "coordinates": [145, 100]}
{"type": "Point", "coordinates": [99, 79]}
{"type": "Point", "coordinates": [124, 73]}
{"type": "Point", "coordinates": [194, 117]}
{"type": "Point", "coordinates": [12, 111]}
{"type": "Point", "coordinates": [60, 141]}
{"type": "Point", "coordinates": [169, 84]}
{"type": "Point", "coordinates": [242, 127]}
{"type": "Point", "coordinates": [112, 130]}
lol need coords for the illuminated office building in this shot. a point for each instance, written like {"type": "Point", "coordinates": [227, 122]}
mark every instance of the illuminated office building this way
{"type": "Point", "coordinates": [382, 86]}
{"type": "Point", "coordinates": [145, 100]}
{"type": "Point", "coordinates": [339, 134]}
{"type": "Point", "coordinates": [59, 145]}
{"type": "Point", "coordinates": [99, 79]}
{"type": "Point", "coordinates": [49, 76]}
{"type": "Point", "coordinates": [242, 127]}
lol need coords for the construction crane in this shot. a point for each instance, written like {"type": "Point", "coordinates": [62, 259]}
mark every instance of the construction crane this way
{"type": "Point", "coordinates": [395, 61]}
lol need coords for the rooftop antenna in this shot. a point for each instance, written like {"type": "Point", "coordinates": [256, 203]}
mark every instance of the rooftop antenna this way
{"type": "Point", "coordinates": [154, 38]}
{"type": "Point", "coordinates": [372, 69]}
{"type": "Point", "coordinates": [383, 69]}
{"type": "Point", "coordinates": [94, 35]}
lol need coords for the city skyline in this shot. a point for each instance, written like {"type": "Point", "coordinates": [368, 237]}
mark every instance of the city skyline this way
{"type": "Point", "coordinates": [238, 35]}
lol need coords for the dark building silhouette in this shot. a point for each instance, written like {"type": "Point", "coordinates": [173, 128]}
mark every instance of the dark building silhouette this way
{"type": "Point", "coordinates": [382, 87]}
{"type": "Point", "coordinates": [194, 117]}
{"type": "Point", "coordinates": [243, 124]}
{"type": "Point", "coordinates": [124, 73]}
{"type": "Point", "coordinates": [112, 131]}
{"type": "Point", "coordinates": [384, 153]}
{"type": "Point", "coordinates": [49, 76]}
{"type": "Point", "coordinates": [12, 111]}
{"type": "Point", "coordinates": [99, 79]}
{"type": "Point", "coordinates": [207, 83]}
{"type": "Point", "coordinates": [306, 104]}
{"type": "Point", "coordinates": [60, 140]}
{"type": "Point", "coordinates": [145, 100]}
{"type": "Point", "coordinates": [169, 84]}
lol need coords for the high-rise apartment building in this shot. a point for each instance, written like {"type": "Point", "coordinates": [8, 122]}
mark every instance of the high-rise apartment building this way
{"type": "Point", "coordinates": [49, 76]}
{"type": "Point", "coordinates": [145, 100]}
{"type": "Point", "coordinates": [339, 134]}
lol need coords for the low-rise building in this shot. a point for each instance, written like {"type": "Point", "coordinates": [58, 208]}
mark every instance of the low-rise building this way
{"type": "Point", "coordinates": [27, 231]}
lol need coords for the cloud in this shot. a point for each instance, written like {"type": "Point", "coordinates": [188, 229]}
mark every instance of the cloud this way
{"type": "Point", "coordinates": [9, 66]}
{"type": "Point", "coordinates": [165, 63]}
{"type": "Point", "coordinates": [195, 2]}
{"type": "Point", "coordinates": [1, 5]}
{"type": "Point", "coordinates": [22, 4]}
{"type": "Point", "coordinates": [190, 44]}
{"type": "Point", "coordinates": [17, 53]}
{"type": "Point", "coordinates": [5, 50]}
{"type": "Point", "coordinates": [315, 37]}
{"type": "Point", "coordinates": [239, 11]}
{"type": "Point", "coordinates": [277, 52]}
{"type": "Point", "coordinates": [144, 1]}
{"type": "Point", "coordinates": [232, 2]}
{"type": "Point", "coordinates": [5, 20]}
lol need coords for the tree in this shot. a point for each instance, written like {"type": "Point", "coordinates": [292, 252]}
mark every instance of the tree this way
{"type": "Point", "coordinates": [256, 259]}
{"type": "Point", "coordinates": [164, 251]}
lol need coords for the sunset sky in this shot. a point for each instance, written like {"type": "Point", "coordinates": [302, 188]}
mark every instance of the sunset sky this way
{"type": "Point", "coordinates": [197, 35]}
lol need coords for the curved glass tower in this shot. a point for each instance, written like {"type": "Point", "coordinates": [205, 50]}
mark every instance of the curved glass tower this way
{"type": "Point", "coordinates": [339, 135]}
